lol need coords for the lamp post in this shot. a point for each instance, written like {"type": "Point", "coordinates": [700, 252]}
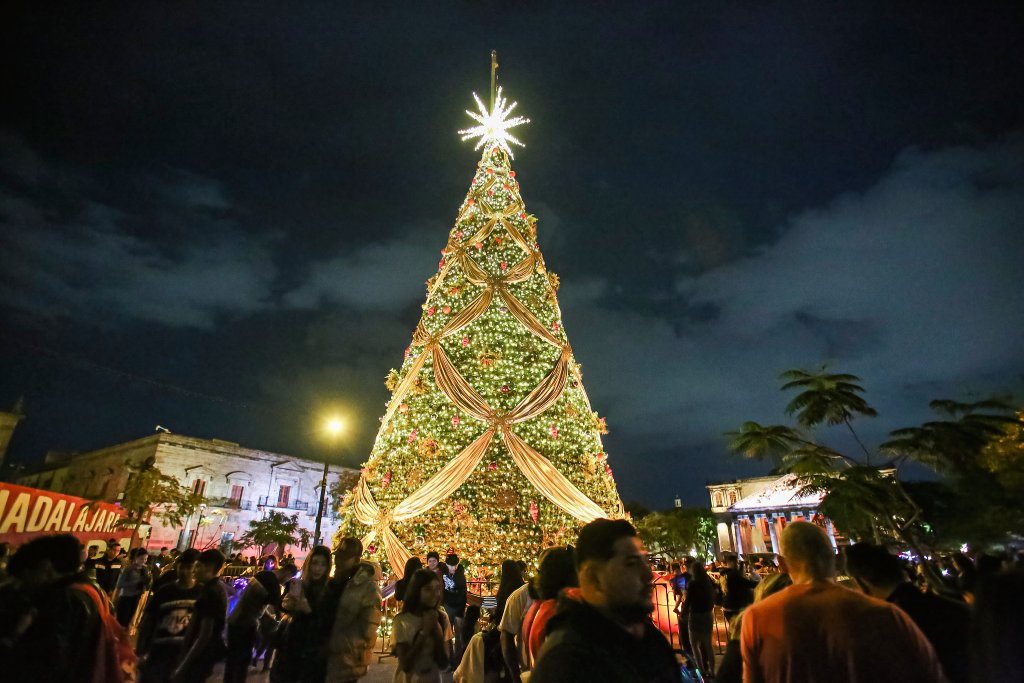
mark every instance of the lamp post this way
{"type": "Point", "coordinates": [334, 427]}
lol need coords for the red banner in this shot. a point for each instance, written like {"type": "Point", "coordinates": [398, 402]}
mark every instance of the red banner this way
{"type": "Point", "coordinates": [27, 513]}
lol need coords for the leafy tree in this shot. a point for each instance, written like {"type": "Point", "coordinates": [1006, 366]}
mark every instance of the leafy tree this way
{"type": "Point", "coordinates": [1004, 457]}
{"type": "Point", "coordinates": [830, 398]}
{"type": "Point", "coordinates": [151, 495]}
{"type": "Point", "coordinates": [342, 487]}
{"type": "Point", "coordinates": [864, 499]}
{"type": "Point", "coordinates": [979, 451]}
{"type": "Point", "coordinates": [276, 528]}
{"type": "Point", "coordinates": [677, 533]}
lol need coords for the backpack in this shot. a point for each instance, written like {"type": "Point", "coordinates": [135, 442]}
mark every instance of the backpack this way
{"type": "Point", "coordinates": [115, 657]}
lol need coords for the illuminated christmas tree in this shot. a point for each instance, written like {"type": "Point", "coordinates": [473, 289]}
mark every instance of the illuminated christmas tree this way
{"type": "Point", "coordinates": [489, 445]}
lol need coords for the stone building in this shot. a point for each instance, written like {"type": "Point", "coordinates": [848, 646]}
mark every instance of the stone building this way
{"type": "Point", "coordinates": [750, 514]}
{"type": "Point", "coordinates": [240, 484]}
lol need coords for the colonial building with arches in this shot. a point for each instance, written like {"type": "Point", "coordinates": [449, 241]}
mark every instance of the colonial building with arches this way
{"type": "Point", "coordinates": [750, 514]}
{"type": "Point", "coordinates": [240, 484]}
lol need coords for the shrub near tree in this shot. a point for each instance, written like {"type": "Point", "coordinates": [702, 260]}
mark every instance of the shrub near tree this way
{"type": "Point", "coordinates": [975, 451]}
{"type": "Point", "coordinates": [275, 529]}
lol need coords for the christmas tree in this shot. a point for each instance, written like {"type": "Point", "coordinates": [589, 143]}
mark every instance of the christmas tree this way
{"type": "Point", "coordinates": [489, 445]}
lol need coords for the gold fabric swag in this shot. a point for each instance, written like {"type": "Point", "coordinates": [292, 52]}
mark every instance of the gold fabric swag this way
{"type": "Point", "coordinates": [537, 469]}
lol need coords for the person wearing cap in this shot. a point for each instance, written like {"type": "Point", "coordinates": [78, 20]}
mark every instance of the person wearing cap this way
{"type": "Point", "coordinates": [453, 576]}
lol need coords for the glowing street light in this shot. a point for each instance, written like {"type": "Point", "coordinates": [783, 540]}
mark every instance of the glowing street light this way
{"type": "Point", "coordinates": [334, 426]}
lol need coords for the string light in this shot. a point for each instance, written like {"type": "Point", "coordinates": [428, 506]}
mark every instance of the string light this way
{"type": "Point", "coordinates": [488, 518]}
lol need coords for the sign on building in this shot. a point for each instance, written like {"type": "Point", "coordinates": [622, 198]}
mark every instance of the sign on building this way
{"type": "Point", "coordinates": [26, 513]}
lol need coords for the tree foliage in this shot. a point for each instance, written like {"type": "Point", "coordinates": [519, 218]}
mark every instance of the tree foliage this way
{"type": "Point", "coordinates": [678, 532]}
{"type": "Point", "coordinates": [276, 528]}
{"type": "Point", "coordinates": [977, 450]}
{"type": "Point", "coordinates": [151, 495]}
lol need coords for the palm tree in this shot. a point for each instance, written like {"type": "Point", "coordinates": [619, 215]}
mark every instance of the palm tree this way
{"type": "Point", "coordinates": [786, 448]}
{"type": "Point", "coordinates": [764, 442]}
{"type": "Point", "coordinates": [954, 446]}
{"type": "Point", "coordinates": [825, 397]}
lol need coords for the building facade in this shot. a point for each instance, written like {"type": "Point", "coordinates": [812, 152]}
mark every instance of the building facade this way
{"type": "Point", "coordinates": [240, 484]}
{"type": "Point", "coordinates": [750, 514]}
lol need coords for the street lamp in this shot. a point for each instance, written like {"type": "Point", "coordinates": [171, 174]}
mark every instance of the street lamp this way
{"type": "Point", "coordinates": [334, 427]}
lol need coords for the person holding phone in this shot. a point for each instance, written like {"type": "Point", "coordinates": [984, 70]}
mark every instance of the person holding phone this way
{"type": "Point", "coordinates": [423, 634]}
{"type": "Point", "coordinates": [299, 658]}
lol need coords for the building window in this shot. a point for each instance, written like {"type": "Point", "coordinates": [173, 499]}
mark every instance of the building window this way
{"type": "Point", "coordinates": [283, 494]}
{"type": "Point", "coordinates": [236, 494]}
{"type": "Point", "coordinates": [716, 499]}
{"type": "Point", "coordinates": [732, 497]}
{"type": "Point", "coordinates": [199, 487]}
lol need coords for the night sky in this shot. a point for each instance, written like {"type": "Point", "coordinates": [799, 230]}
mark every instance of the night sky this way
{"type": "Point", "coordinates": [218, 217]}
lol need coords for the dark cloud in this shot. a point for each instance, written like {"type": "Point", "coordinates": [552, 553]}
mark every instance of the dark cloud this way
{"type": "Point", "coordinates": [245, 204]}
{"type": "Point", "coordinates": [100, 264]}
{"type": "Point", "coordinates": [914, 284]}
{"type": "Point", "coordinates": [360, 277]}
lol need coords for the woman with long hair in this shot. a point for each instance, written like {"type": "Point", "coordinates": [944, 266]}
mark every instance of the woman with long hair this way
{"type": "Point", "coordinates": [423, 635]}
{"type": "Point", "coordinates": [700, 595]}
{"type": "Point", "coordinates": [299, 658]}
{"type": "Point", "coordinates": [511, 579]}
{"type": "Point", "coordinates": [411, 566]}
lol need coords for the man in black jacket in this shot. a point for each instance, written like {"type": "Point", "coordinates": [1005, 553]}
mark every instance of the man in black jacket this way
{"type": "Point", "coordinates": [108, 567]}
{"type": "Point", "coordinates": [453, 577]}
{"type": "Point", "coordinates": [606, 635]}
{"type": "Point", "coordinates": [263, 590]}
{"type": "Point", "coordinates": [944, 622]}
{"type": "Point", "coordinates": [737, 589]}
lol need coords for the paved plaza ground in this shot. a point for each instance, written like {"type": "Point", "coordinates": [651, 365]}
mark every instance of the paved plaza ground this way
{"type": "Point", "coordinates": [380, 672]}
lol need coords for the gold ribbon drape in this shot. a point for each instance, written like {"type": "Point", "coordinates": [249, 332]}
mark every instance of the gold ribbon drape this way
{"type": "Point", "coordinates": [528, 319]}
{"type": "Point", "coordinates": [549, 481]}
{"type": "Point", "coordinates": [546, 393]}
{"type": "Point", "coordinates": [456, 388]}
{"type": "Point", "coordinates": [538, 470]}
{"type": "Point", "coordinates": [444, 483]}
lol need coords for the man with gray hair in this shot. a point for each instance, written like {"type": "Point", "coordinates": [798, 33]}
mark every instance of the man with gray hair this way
{"type": "Point", "coordinates": [818, 631]}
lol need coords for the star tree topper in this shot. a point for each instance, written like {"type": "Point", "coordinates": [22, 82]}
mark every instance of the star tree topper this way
{"type": "Point", "coordinates": [494, 123]}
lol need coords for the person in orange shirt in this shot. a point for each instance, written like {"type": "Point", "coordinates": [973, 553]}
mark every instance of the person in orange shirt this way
{"type": "Point", "coordinates": [817, 631]}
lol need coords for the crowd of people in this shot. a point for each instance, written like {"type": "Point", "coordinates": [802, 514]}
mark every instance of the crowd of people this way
{"type": "Point", "coordinates": [865, 612]}
{"type": "Point", "coordinates": [65, 615]}
{"type": "Point", "coordinates": [585, 615]}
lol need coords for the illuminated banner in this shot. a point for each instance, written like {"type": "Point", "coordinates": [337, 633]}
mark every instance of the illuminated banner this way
{"type": "Point", "coordinates": [27, 513]}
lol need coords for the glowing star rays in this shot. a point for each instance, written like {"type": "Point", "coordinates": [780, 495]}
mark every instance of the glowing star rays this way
{"type": "Point", "coordinates": [494, 125]}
